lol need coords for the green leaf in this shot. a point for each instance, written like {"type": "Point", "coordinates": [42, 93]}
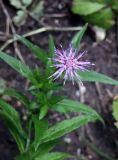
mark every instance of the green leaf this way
{"type": "Point", "coordinates": [43, 112]}
{"type": "Point", "coordinates": [95, 12]}
{"type": "Point", "coordinates": [92, 76]}
{"type": "Point", "coordinates": [51, 46]}
{"type": "Point", "coordinates": [36, 9]}
{"type": "Point", "coordinates": [11, 113]}
{"type": "Point", "coordinates": [66, 126]}
{"type": "Point", "coordinates": [40, 127]}
{"type": "Point", "coordinates": [106, 16]}
{"type": "Point", "coordinates": [3, 85]}
{"type": "Point", "coordinates": [48, 69]}
{"type": "Point", "coordinates": [40, 53]}
{"type": "Point", "coordinates": [20, 4]}
{"type": "Point", "coordinates": [86, 7]}
{"type": "Point", "coordinates": [100, 1]}
{"type": "Point", "coordinates": [17, 65]}
{"type": "Point", "coordinates": [16, 3]}
{"type": "Point", "coordinates": [12, 92]}
{"type": "Point", "coordinates": [18, 138]}
{"type": "Point", "coordinates": [12, 120]}
{"type": "Point", "coordinates": [24, 156]}
{"type": "Point", "coordinates": [114, 4]}
{"type": "Point", "coordinates": [115, 111]}
{"type": "Point", "coordinates": [37, 75]}
{"type": "Point", "coordinates": [45, 148]}
{"type": "Point", "coordinates": [67, 105]}
{"type": "Point", "coordinates": [20, 18]}
{"type": "Point", "coordinates": [26, 3]}
{"type": "Point", "coordinates": [55, 99]}
{"type": "Point", "coordinates": [77, 38]}
{"type": "Point", "coordinates": [14, 132]}
{"type": "Point", "coordinates": [53, 156]}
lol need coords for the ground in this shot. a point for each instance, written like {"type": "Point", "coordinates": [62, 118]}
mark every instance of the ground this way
{"type": "Point", "coordinates": [103, 54]}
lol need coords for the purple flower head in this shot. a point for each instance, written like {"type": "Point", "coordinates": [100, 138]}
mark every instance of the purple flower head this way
{"type": "Point", "coordinates": [67, 63]}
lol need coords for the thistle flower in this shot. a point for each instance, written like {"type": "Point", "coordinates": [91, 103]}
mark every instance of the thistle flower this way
{"type": "Point", "coordinates": [67, 63]}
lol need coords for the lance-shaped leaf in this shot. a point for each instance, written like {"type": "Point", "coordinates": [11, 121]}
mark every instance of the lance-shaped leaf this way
{"type": "Point", "coordinates": [11, 113]}
{"type": "Point", "coordinates": [106, 16]}
{"type": "Point", "coordinates": [40, 128]}
{"type": "Point", "coordinates": [20, 96]}
{"type": "Point", "coordinates": [17, 65]}
{"type": "Point", "coordinates": [92, 76]}
{"type": "Point", "coordinates": [78, 36]}
{"type": "Point", "coordinates": [66, 126]}
{"type": "Point", "coordinates": [86, 7]}
{"type": "Point", "coordinates": [51, 46]}
{"type": "Point", "coordinates": [12, 120]}
{"type": "Point", "coordinates": [67, 105]}
{"type": "Point", "coordinates": [43, 111]}
{"type": "Point", "coordinates": [44, 148]}
{"type": "Point", "coordinates": [40, 53]}
{"type": "Point", "coordinates": [53, 156]}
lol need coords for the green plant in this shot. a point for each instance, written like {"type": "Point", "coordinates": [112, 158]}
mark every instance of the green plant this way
{"type": "Point", "coordinates": [115, 111]}
{"type": "Point", "coordinates": [33, 8]}
{"type": "Point", "coordinates": [36, 139]}
{"type": "Point", "coordinates": [96, 12]}
{"type": "Point", "coordinates": [3, 85]}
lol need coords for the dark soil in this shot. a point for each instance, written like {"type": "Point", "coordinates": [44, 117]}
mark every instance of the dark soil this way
{"type": "Point", "coordinates": [99, 96]}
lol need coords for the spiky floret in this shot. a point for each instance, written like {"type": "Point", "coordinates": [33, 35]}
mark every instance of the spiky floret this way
{"type": "Point", "coordinates": [67, 63]}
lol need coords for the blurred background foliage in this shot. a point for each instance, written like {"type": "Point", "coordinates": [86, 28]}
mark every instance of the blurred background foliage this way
{"type": "Point", "coordinates": [115, 110]}
{"type": "Point", "coordinates": [33, 8]}
{"type": "Point", "coordinates": [96, 12]}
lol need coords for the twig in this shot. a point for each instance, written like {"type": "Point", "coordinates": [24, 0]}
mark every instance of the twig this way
{"type": "Point", "coordinates": [40, 30]}
{"type": "Point", "coordinates": [49, 28]}
{"type": "Point", "coordinates": [82, 99]}
{"type": "Point", "coordinates": [56, 15]}
{"type": "Point", "coordinates": [117, 32]}
{"type": "Point", "coordinates": [97, 150]}
{"type": "Point", "coordinates": [10, 25]}
{"type": "Point", "coordinates": [110, 94]}
{"type": "Point", "coordinates": [3, 38]}
{"type": "Point", "coordinates": [16, 45]}
{"type": "Point", "coordinates": [81, 157]}
{"type": "Point", "coordinates": [2, 33]}
{"type": "Point", "coordinates": [100, 95]}
{"type": "Point", "coordinates": [8, 21]}
{"type": "Point", "coordinates": [17, 51]}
